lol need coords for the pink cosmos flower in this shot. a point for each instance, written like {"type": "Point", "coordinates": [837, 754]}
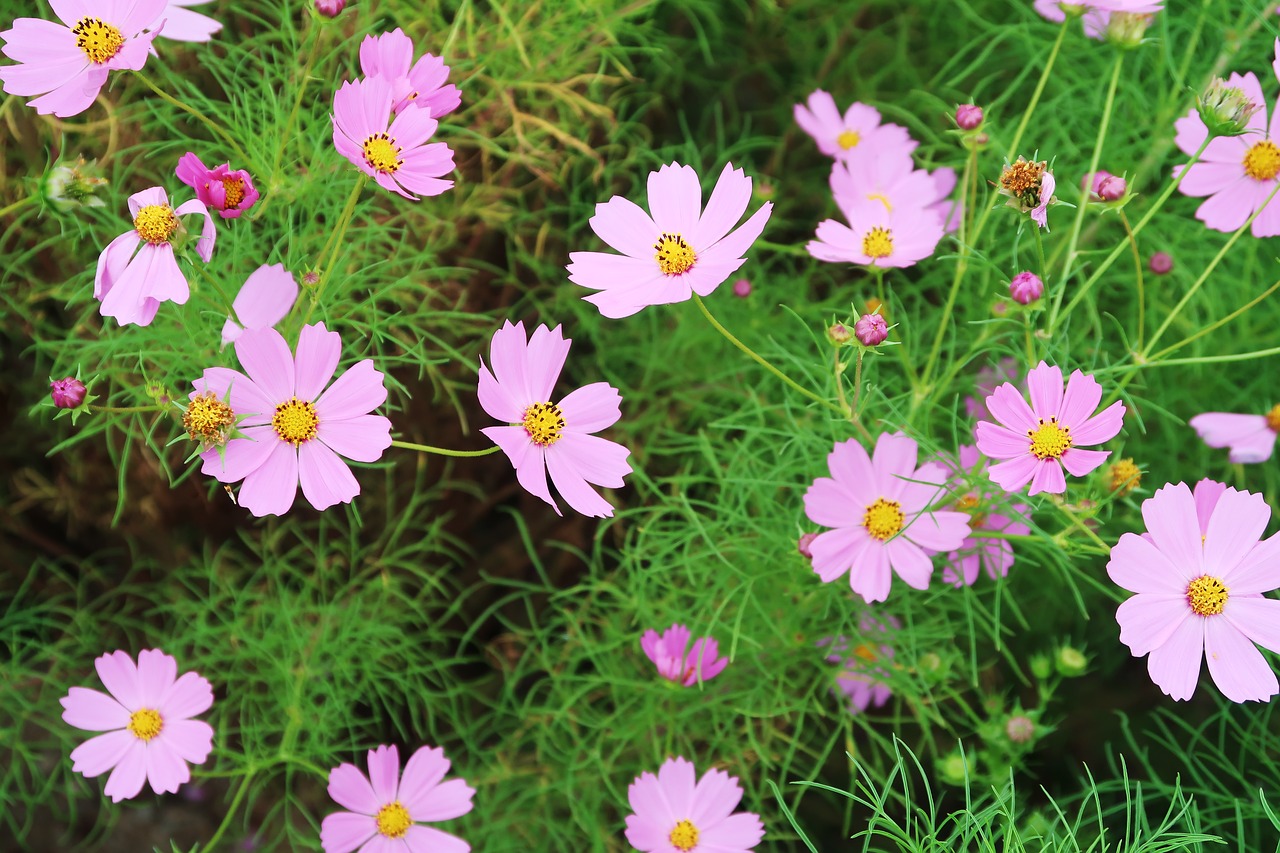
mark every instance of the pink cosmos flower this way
{"type": "Point", "coordinates": [386, 810]}
{"type": "Point", "coordinates": [264, 300]}
{"type": "Point", "coordinates": [672, 813]}
{"type": "Point", "coordinates": [295, 429]}
{"type": "Point", "coordinates": [1039, 440]}
{"type": "Point", "coordinates": [420, 83]}
{"type": "Point", "coordinates": [889, 177]}
{"type": "Point", "coordinates": [67, 64]}
{"type": "Point", "coordinates": [878, 236]}
{"type": "Point", "coordinates": [854, 134]}
{"type": "Point", "coordinates": [181, 24]}
{"type": "Point", "coordinates": [878, 509]}
{"type": "Point", "coordinates": [680, 251]}
{"type": "Point", "coordinates": [230, 192]}
{"type": "Point", "coordinates": [988, 378]}
{"type": "Point", "coordinates": [545, 437]}
{"type": "Point", "coordinates": [396, 156]}
{"type": "Point", "coordinates": [668, 653]}
{"type": "Point", "coordinates": [1252, 438]}
{"type": "Point", "coordinates": [1199, 574]}
{"type": "Point", "coordinates": [863, 669]}
{"type": "Point", "coordinates": [132, 286]}
{"type": "Point", "coordinates": [149, 734]}
{"type": "Point", "coordinates": [987, 513]}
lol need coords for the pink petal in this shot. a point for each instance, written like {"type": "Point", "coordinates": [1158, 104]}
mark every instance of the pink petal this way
{"type": "Point", "coordinates": [1103, 426]}
{"type": "Point", "coordinates": [246, 397]}
{"type": "Point", "coordinates": [852, 470]}
{"type": "Point", "coordinates": [93, 710]}
{"type": "Point", "coordinates": [1175, 666]}
{"type": "Point", "coordinates": [422, 773]}
{"type": "Point", "coordinates": [1204, 179]}
{"type": "Point", "coordinates": [737, 832]}
{"type": "Point", "coordinates": [1079, 461]}
{"type": "Point", "coordinates": [526, 457]}
{"type": "Point", "coordinates": [242, 456]}
{"type": "Point", "coordinates": [165, 770]}
{"type": "Point", "coordinates": [363, 439]}
{"type": "Point", "coordinates": [544, 359]}
{"type": "Point", "coordinates": [649, 802]}
{"type": "Point", "coordinates": [871, 576]}
{"type": "Point", "coordinates": [427, 839]}
{"type": "Point", "coordinates": [938, 531]}
{"type": "Point", "coordinates": [349, 788]}
{"type": "Point", "coordinates": [1256, 618]}
{"type": "Point", "coordinates": [1139, 566]}
{"type": "Point", "coordinates": [1249, 433]}
{"type": "Point", "coordinates": [677, 778]}
{"type": "Point", "coordinates": [271, 488]}
{"type": "Point", "coordinates": [830, 504]}
{"type": "Point", "coordinates": [909, 562]}
{"type": "Point", "coordinates": [497, 400]}
{"type": "Point", "coordinates": [343, 832]}
{"type": "Point", "coordinates": [926, 486]}
{"type": "Point", "coordinates": [265, 298]}
{"type": "Point", "coordinates": [1170, 515]}
{"type": "Point", "coordinates": [1236, 665]}
{"type": "Point", "coordinates": [1081, 399]}
{"type": "Point", "coordinates": [1045, 384]}
{"type": "Point", "coordinates": [1258, 571]}
{"type": "Point", "coordinates": [894, 460]}
{"type": "Point", "coordinates": [836, 551]}
{"type": "Point", "coordinates": [591, 408]}
{"type": "Point", "coordinates": [1007, 406]}
{"type": "Point", "coordinates": [998, 442]}
{"type": "Point", "coordinates": [704, 662]}
{"type": "Point", "coordinates": [729, 200]}
{"type": "Point", "coordinates": [1227, 210]}
{"type": "Point", "coordinates": [625, 226]}
{"type": "Point", "coordinates": [120, 676]}
{"type": "Point", "coordinates": [190, 740]}
{"type": "Point", "coordinates": [1206, 495]}
{"type": "Point", "coordinates": [597, 460]}
{"type": "Point", "coordinates": [1013, 474]}
{"type": "Point", "coordinates": [384, 773]}
{"type": "Point", "coordinates": [1236, 526]}
{"type": "Point", "coordinates": [267, 359]}
{"type": "Point", "coordinates": [1147, 621]}
{"type": "Point", "coordinates": [356, 392]}
{"type": "Point", "coordinates": [156, 674]}
{"type": "Point", "coordinates": [326, 480]}
{"type": "Point", "coordinates": [563, 468]}
{"type": "Point", "coordinates": [99, 754]}
{"type": "Point", "coordinates": [675, 199]}
{"type": "Point", "coordinates": [1048, 477]}
{"type": "Point", "coordinates": [736, 244]}
{"type": "Point", "coordinates": [126, 781]}
{"type": "Point", "coordinates": [714, 799]}
{"type": "Point", "coordinates": [446, 801]}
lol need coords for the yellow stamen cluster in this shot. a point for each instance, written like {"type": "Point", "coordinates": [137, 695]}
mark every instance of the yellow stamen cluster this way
{"type": "Point", "coordinates": [544, 423]}
{"type": "Point", "coordinates": [1125, 477]}
{"type": "Point", "coordinates": [393, 820]}
{"type": "Point", "coordinates": [208, 419]}
{"type": "Point", "coordinates": [878, 243]}
{"type": "Point", "coordinates": [145, 724]}
{"type": "Point", "coordinates": [295, 421]}
{"type": "Point", "coordinates": [848, 139]}
{"type": "Point", "coordinates": [1206, 596]}
{"type": "Point", "coordinates": [1262, 160]}
{"type": "Point", "coordinates": [674, 255]}
{"type": "Point", "coordinates": [1050, 440]}
{"type": "Point", "coordinates": [970, 503]}
{"type": "Point", "coordinates": [685, 836]}
{"type": "Point", "coordinates": [1273, 418]}
{"type": "Point", "coordinates": [883, 519]}
{"type": "Point", "coordinates": [382, 154]}
{"type": "Point", "coordinates": [99, 40]}
{"type": "Point", "coordinates": [234, 188]}
{"type": "Point", "coordinates": [156, 223]}
{"type": "Point", "coordinates": [1022, 180]}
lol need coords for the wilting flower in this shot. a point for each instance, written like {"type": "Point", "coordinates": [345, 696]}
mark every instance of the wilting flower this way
{"type": "Point", "coordinates": [75, 185]}
{"type": "Point", "coordinates": [679, 251]}
{"type": "Point", "coordinates": [395, 156]}
{"type": "Point", "coordinates": [987, 513]}
{"type": "Point", "coordinates": [386, 809]}
{"type": "Point", "coordinates": [229, 191]}
{"type": "Point", "coordinates": [67, 393]}
{"type": "Point", "coordinates": [149, 734]}
{"type": "Point", "coordinates": [677, 662]}
{"type": "Point", "coordinates": [1252, 438]}
{"type": "Point", "coordinates": [181, 24]}
{"type": "Point", "coordinates": [67, 64]}
{"type": "Point", "coordinates": [878, 509]}
{"type": "Point", "coordinates": [264, 300]}
{"type": "Point", "coordinates": [853, 134]}
{"type": "Point", "coordinates": [1029, 186]}
{"type": "Point", "coordinates": [295, 430]}
{"type": "Point", "coordinates": [1039, 440]}
{"type": "Point", "coordinates": [1199, 573]}
{"type": "Point", "coordinates": [420, 83]}
{"type": "Point", "coordinates": [131, 287]}
{"type": "Point", "coordinates": [671, 812]}
{"type": "Point", "coordinates": [545, 437]}
{"type": "Point", "coordinates": [988, 378]}
{"type": "Point", "coordinates": [863, 669]}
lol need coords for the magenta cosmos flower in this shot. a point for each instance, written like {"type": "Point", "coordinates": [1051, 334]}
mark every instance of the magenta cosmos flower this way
{"type": "Point", "coordinates": [988, 513]}
{"type": "Point", "coordinates": [67, 64]}
{"type": "Point", "coordinates": [182, 24]}
{"type": "Point", "coordinates": [294, 430]}
{"type": "Point", "coordinates": [149, 734]}
{"type": "Point", "coordinates": [672, 813]}
{"type": "Point", "coordinates": [132, 286]}
{"type": "Point", "coordinates": [877, 506]}
{"type": "Point", "coordinates": [1252, 438]}
{"type": "Point", "coordinates": [545, 437]}
{"type": "Point", "coordinates": [420, 83]}
{"type": "Point", "coordinates": [856, 133]}
{"type": "Point", "coordinates": [229, 191]}
{"type": "Point", "coordinates": [394, 152]}
{"type": "Point", "coordinates": [386, 810]}
{"type": "Point", "coordinates": [1036, 442]}
{"type": "Point", "coordinates": [264, 300]}
{"type": "Point", "coordinates": [863, 666]}
{"type": "Point", "coordinates": [680, 251]}
{"type": "Point", "coordinates": [1199, 574]}
{"type": "Point", "coordinates": [676, 662]}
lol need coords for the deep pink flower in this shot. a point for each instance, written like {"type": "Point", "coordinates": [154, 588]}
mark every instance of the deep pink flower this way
{"type": "Point", "coordinates": [1252, 438]}
{"type": "Point", "coordinates": [420, 83]}
{"type": "Point", "coordinates": [131, 287]}
{"type": "Point", "coordinates": [67, 393]}
{"type": "Point", "coordinates": [679, 251]}
{"type": "Point", "coordinates": [295, 430]}
{"type": "Point", "coordinates": [988, 378]}
{"type": "Point", "coordinates": [878, 509]}
{"type": "Point", "coordinates": [988, 513]}
{"type": "Point", "coordinates": [385, 810]}
{"type": "Point", "coordinates": [968, 116]}
{"type": "Point", "coordinates": [677, 662]}
{"type": "Point", "coordinates": [181, 24]}
{"type": "Point", "coordinates": [230, 192]}
{"type": "Point", "coordinates": [396, 154]}
{"type": "Point", "coordinates": [150, 736]}
{"type": "Point", "coordinates": [264, 299]}
{"type": "Point", "coordinates": [672, 813]}
{"type": "Point", "coordinates": [1039, 440]}
{"type": "Point", "coordinates": [67, 64]}
{"type": "Point", "coordinates": [330, 8]}
{"type": "Point", "coordinates": [545, 437]}
{"type": "Point", "coordinates": [742, 288]}
{"type": "Point", "coordinates": [863, 666]}
{"type": "Point", "coordinates": [854, 134]}
{"type": "Point", "coordinates": [1199, 574]}
{"type": "Point", "coordinates": [1026, 287]}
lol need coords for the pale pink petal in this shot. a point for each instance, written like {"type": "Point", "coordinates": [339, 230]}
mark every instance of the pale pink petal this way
{"type": "Point", "coordinates": [1175, 666]}
{"type": "Point", "coordinates": [343, 832]}
{"type": "Point", "coordinates": [446, 801]}
{"type": "Point", "coordinates": [126, 781]}
{"type": "Point", "coordinates": [120, 675]}
{"type": "Point", "coordinates": [1079, 461]}
{"type": "Point", "coordinates": [1171, 520]}
{"type": "Point", "coordinates": [944, 530]}
{"type": "Point", "coordinates": [714, 799]}
{"type": "Point", "coordinates": [1236, 665]}
{"type": "Point", "coordinates": [497, 400]}
{"type": "Point", "coordinates": [675, 199]}
{"type": "Point", "coordinates": [998, 442]}
{"type": "Point", "coordinates": [1013, 474]}
{"type": "Point", "coordinates": [729, 200]}
{"type": "Point", "coordinates": [362, 439]}
{"type": "Point", "coordinates": [113, 261]}
{"type": "Point", "coordinates": [190, 740]}
{"type": "Point", "coordinates": [1248, 436]}
{"type": "Point", "coordinates": [909, 562]}
{"type": "Point", "coordinates": [544, 359]}
{"type": "Point", "coordinates": [591, 408]}
{"type": "Point", "coordinates": [349, 788]}
{"type": "Point", "coordinates": [93, 710]}
{"type": "Point", "coordinates": [735, 244]}
{"type": "Point", "coordinates": [1204, 178]}
{"type": "Point", "coordinates": [1257, 618]}
{"type": "Point", "coordinates": [677, 778]}
{"type": "Point", "coordinates": [325, 479]}
{"type": "Point", "coordinates": [264, 299]}
{"type": "Point", "coordinates": [241, 456]}
{"type": "Point", "coordinates": [1048, 477]}
{"type": "Point", "coordinates": [871, 576]}
{"type": "Point", "coordinates": [271, 488]}
{"type": "Point", "coordinates": [422, 773]}
{"type": "Point", "coordinates": [1258, 571]}
{"type": "Point", "coordinates": [734, 833]}
{"type": "Point", "coordinates": [1206, 495]}
{"type": "Point", "coordinates": [649, 801]}
{"type": "Point", "coordinates": [428, 839]}
{"type": "Point", "coordinates": [1103, 426]}
{"type": "Point", "coordinates": [1236, 526]}
{"type": "Point", "coordinates": [156, 674]}
{"type": "Point", "coordinates": [265, 356]}
{"type": "Point", "coordinates": [835, 551]}
{"type": "Point", "coordinates": [1147, 621]}
{"type": "Point", "coordinates": [1045, 384]}
{"type": "Point", "coordinates": [572, 486]}
{"type": "Point", "coordinates": [526, 457]}
{"type": "Point", "coordinates": [1139, 566]}
{"type": "Point", "coordinates": [384, 773]}
{"type": "Point", "coordinates": [166, 771]}
{"type": "Point", "coordinates": [354, 393]}
{"type": "Point", "coordinates": [1008, 406]}
{"type": "Point", "coordinates": [625, 226]}
{"type": "Point", "coordinates": [894, 461]}
{"type": "Point", "coordinates": [99, 754]}
{"type": "Point", "coordinates": [597, 460]}
{"type": "Point", "coordinates": [851, 468]}
{"type": "Point", "coordinates": [1226, 210]}
{"type": "Point", "coordinates": [185, 25]}
{"type": "Point", "coordinates": [1081, 399]}
{"type": "Point", "coordinates": [830, 504]}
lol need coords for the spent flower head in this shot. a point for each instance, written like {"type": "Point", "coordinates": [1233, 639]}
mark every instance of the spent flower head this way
{"type": "Point", "coordinates": [1226, 109]}
{"type": "Point", "coordinates": [71, 185]}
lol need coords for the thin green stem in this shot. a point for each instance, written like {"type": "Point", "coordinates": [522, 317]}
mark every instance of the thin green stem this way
{"type": "Point", "coordinates": [199, 116]}
{"type": "Point", "coordinates": [444, 451]}
{"type": "Point", "coordinates": [329, 253]}
{"type": "Point", "coordinates": [1137, 271]}
{"type": "Point", "coordinates": [17, 205]}
{"type": "Point", "coordinates": [1035, 96]}
{"type": "Point", "coordinates": [944, 321]}
{"type": "Point", "coordinates": [127, 409]}
{"type": "Point", "coordinates": [226, 300]}
{"type": "Point", "coordinates": [1212, 327]}
{"type": "Point", "coordinates": [231, 811]}
{"type": "Point", "coordinates": [311, 50]}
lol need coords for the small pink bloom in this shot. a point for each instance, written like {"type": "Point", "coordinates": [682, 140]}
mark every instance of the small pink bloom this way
{"type": "Point", "coordinates": [742, 288]}
{"type": "Point", "coordinates": [854, 134]}
{"type": "Point", "coordinates": [1161, 263]}
{"type": "Point", "coordinates": [677, 662]}
{"type": "Point", "coordinates": [968, 116]}
{"type": "Point", "coordinates": [675, 250]}
{"type": "Point", "coordinates": [676, 811]}
{"type": "Point", "coordinates": [264, 299]}
{"type": "Point", "coordinates": [386, 809]}
{"type": "Point", "coordinates": [181, 24]}
{"type": "Point", "coordinates": [149, 734]}
{"type": "Point", "coordinates": [67, 393]}
{"type": "Point", "coordinates": [1026, 287]}
{"type": "Point", "coordinates": [863, 669]}
{"type": "Point", "coordinates": [1039, 440]}
{"type": "Point", "coordinates": [871, 330]}
{"type": "Point", "coordinates": [988, 513]}
{"type": "Point", "coordinates": [1252, 438]}
{"type": "Point", "coordinates": [420, 83]}
{"type": "Point", "coordinates": [1200, 572]}
{"type": "Point", "coordinates": [330, 8]}
{"type": "Point", "coordinates": [230, 192]}
{"type": "Point", "coordinates": [988, 378]}
{"type": "Point", "coordinates": [544, 437]}
{"type": "Point", "coordinates": [803, 543]}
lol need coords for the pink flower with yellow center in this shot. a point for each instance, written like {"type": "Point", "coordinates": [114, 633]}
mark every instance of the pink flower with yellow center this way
{"type": "Point", "coordinates": [676, 811]}
{"type": "Point", "coordinates": [856, 133]}
{"type": "Point", "coordinates": [420, 83]}
{"type": "Point", "coordinates": [229, 191]}
{"type": "Point", "coordinates": [863, 665]}
{"type": "Point", "coordinates": [889, 178]}
{"type": "Point", "coordinates": [989, 514]}
{"type": "Point", "coordinates": [1252, 438]}
{"type": "Point", "coordinates": [879, 235]}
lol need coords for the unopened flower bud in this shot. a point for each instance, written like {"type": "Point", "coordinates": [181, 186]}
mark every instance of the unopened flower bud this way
{"type": "Point", "coordinates": [1071, 662]}
{"type": "Point", "coordinates": [875, 306]}
{"type": "Point", "coordinates": [968, 116]}
{"type": "Point", "coordinates": [1020, 729]}
{"type": "Point", "coordinates": [803, 545]}
{"type": "Point", "coordinates": [955, 768]}
{"type": "Point", "coordinates": [1124, 477]}
{"type": "Point", "coordinates": [871, 330]}
{"type": "Point", "coordinates": [74, 185]}
{"type": "Point", "coordinates": [311, 278]}
{"type": "Point", "coordinates": [1127, 29]}
{"type": "Point", "coordinates": [330, 8]}
{"type": "Point", "coordinates": [1041, 666]}
{"type": "Point", "coordinates": [1112, 188]}
{"type": "Point", "coordinates": [999, 308]}
{"type": "Point", "coordinates": [839, 334]}
{"type": "Point", "coordinates": [67, 393]}
{"type": "Point", "coordinates": [742, 288]}
{"type": "Point", "coordinates": [1161, 263]}
{"type": "Point", "coordinates": [1225, 110]}
{"type": "Point", "coordinates": [1026, 287]}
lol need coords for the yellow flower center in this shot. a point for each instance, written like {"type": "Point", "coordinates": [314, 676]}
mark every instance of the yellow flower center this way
{"type": "Point", "coordinates": [145, 724]}
{"type": "Point", "coordinates": [1273, 418]}
{"type": "Point", "coordinates": [1023, 176]}
{"type": "Point", "coordinates": [382, 154]}
{"type": "Point", "coordinates": [675, 256]}
{"type": "Point", "coordinates": [207, 419]}
{"type": "Point", "coordinates": [883, 519]}
{"type": "Point", "coordinates": [235, 191]}
{"type": "Point", "coordinates": [1125, 477]}
{"type": "Point", "coordinates": [1050, 441]}
{"type": "Point", "coordinates": [1262, 160]}
{"type": "Point", "coordinates": [1206, 595]}
{"type": "Point", "coordinates": [685, 836]}
{"type": "Point", "coordinates": [848, 139]}
{"type": "Point", "coordinates": [99, 41]}
{"type": "Point", "coordinates": [878, 243]}
{"type": "Point", "coordinates": [393, 820]}
{"type": "Point", "coordinates": [544, 423]}
{"type": "Point", "coordinates": [156, 223]}
{"type": "Point", "coordinates": [295, 421]}
{"type": "Point", "coordinates": [865, 652]}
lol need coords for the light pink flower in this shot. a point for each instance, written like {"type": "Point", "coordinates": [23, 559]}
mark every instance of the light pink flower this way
{"type": "Point", "coordinates": [131, 287]}
{"type": "Point", "coordinates": [852, 135]}
{"type": "Point", "coordinates": [543, 436]}
{"type": "Point", "coordinates": [264, 299]}
{"type": "Point", "coordinates": [1039, 440]}
{"type": "Point", "coordinates": [1199, 574]}
{"type": "Point", "coordinates": [1252, 438]}
{"type": "Point", "coordinates": [863, 666]}
{"type": "Point", "coordinates": [421, 83]}
{"type": "Point", "coordinates": [672, 813]}
{"type": "Point", "coordinates": [879, 236]}
{"type": "Point", "coordinates": [229, 191]}
{"type": "Point", "coordinates": [989, 513]}
{"type": "Point", "coordinates": [889, 178]}
{"type": "Point", "coordinates": [680, 251]}
{"type": "Point", "coordinates": [385, 810]}
{"type": "Point", "coordinates": [149, 734]}
{"type": "Point", "coordinates": [67, 64]}
{"type": "Point", "coordinates": [295, 430]}
{"type": "Point", "coordinates": [181, 24]}
{"type": "Point", "coordinates": [676, 662]}
{"type": "Point", "coordinates": [396, 154]}
{"type": "Point", "coordinates": [877, 506]}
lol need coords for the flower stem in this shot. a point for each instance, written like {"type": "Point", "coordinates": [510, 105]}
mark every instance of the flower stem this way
{"type": "Point", "coordinates": [1035, 96]}
{"type": "Point", "coordinates": [962, 263]}
{"type": "Point", "coordinates": [443, 451]}
{"type": "Point", "coordinates": [226, 300]}
{"type": "Point", "coordinates": [311, 49]}
{"type": "Point", "coordinates": [201, 117]}
{"type": "Point", "coordinates": [329, 253]}
{"type": "Point", "coordinates": [17, 205]}
{"type": "Point", "coordinates": [1216, 324]}
{"type": "Point", "coordinates": [1137, 271]}
{"type": "Point", "coordinates": [127, 409]}
{"type": "Point", "coordinates": [231, 810]}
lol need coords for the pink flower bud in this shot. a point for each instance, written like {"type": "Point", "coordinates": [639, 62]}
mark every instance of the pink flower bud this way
{"type": "Point", "coordinates": [839, 335]}
{"type": "Point", "coordinates": [742, 288]}
{"type": "Point", "coordinates": [1020, 729]}
{"type": "Point", "coordinates": [1112, 188]}
{"type": "Point", "coordinates": [803, 545]}
{"type": "Point", "coordinates": [1026, 287]}
{"type": "Point", "coordinates": [968, 116]}
{"type": "Point", "coordinates": [67, 393]}
{"type": "Point", "coordinates": [330, 8]}
{"type": "Point", "coordinates": [1161, 263]}
{"type": "Point", "coordinates": [871, 330]}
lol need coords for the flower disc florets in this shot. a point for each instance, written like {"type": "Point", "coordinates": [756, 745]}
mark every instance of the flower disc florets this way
{"type": "Point", "coordinates": [209, 420]}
